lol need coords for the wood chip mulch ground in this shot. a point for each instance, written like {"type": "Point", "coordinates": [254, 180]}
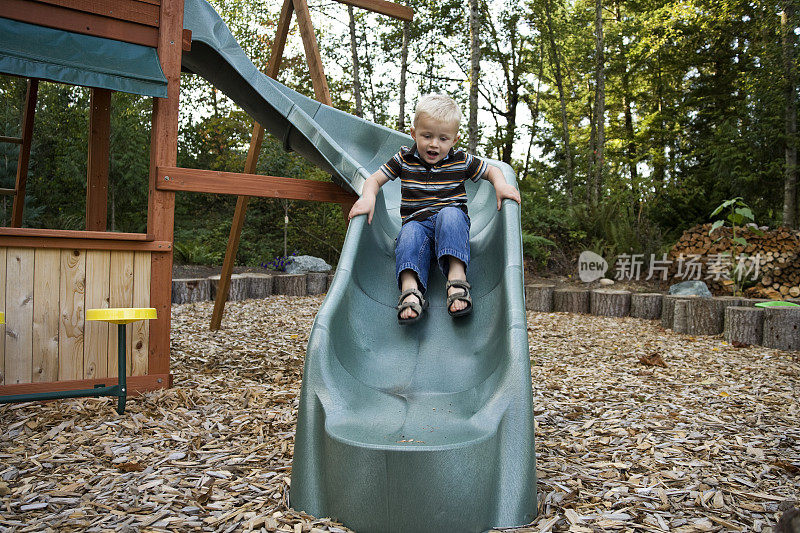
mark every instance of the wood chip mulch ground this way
{"type": "Point", "coordinates": [637, 428]}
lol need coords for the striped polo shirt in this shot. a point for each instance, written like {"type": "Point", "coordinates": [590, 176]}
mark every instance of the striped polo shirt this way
{"type": "Point", "coordinates": [426, 189]}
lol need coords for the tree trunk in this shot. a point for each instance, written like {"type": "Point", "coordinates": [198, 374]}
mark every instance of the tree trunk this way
{"type": "Point", "coordinates": [611, 302]}
{"type": "Point", "coordinates": [191, 290]}
{"type": "Point", "coordinates": [237, 291]}
{"type": "Point", "coordinates": [790, 117]}
{"type": "Point", "coordinates": [571, 300]}
{"type": "Point", "coordinates": [668, 309]}
{"type": "Point", "coordinates": [316, 283]}
{"type": "Point", "coordinates": [646, 305]}
{"type": "Point", "coordinates": [631, 144]}
{"type": "Point", "coordinates": [474, 74]}
{"type": "Point", "coordinates": [539, 297]}
{"type": "Point", "coordinates": [563, 103]}
{"type": "Point", "coordinates": [401, 122]}
{"type": "Point", "coordinates": [782, 328]}
{"type": "Point", "coordinates": [511, 122]}
{"type": "Point", "coordinates": [629, 133]}
{"type": "Point", "coordinates": [680, 316]}
{"type": "Point", "coordinates": [258, 285]}
{"type": "Point", "coordinates": [289, 284]}
{"type": "Point", "coordinates": [356, 65]}
{"type": "Point", "coordinates": [599, 105]}
{"type": "Point", "coordinates": [534, 115]}
{"type": "Point", "coordinates": [707, 315]}
{"type": "Point", "coordinates": [659, 159]}
{"type": "Point", "coordinates": [744, 325]}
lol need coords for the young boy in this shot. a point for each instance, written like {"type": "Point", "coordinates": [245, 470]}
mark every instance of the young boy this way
{"type": "Point", "coordinates": [433, 207]}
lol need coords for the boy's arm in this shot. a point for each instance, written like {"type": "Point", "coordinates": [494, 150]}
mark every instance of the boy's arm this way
{"type": "Point", "coordinates": [502, 189]}
{"type": "Point", "coordinates": [366, 204]}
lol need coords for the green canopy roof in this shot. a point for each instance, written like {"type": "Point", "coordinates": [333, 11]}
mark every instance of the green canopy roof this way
{"type": "Point", "coordinates": [37, 52]}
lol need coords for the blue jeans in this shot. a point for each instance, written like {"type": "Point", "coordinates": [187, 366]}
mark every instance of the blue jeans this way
{"type": "Point", "coordinates": [445, 233]}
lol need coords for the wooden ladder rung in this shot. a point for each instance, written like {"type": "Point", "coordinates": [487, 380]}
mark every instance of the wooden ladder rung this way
{"type": "Point", "coordinates": [12, 140]}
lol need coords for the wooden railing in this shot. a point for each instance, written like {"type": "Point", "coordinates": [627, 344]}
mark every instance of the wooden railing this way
{"type": "Point", "coordinates": [133, 21]}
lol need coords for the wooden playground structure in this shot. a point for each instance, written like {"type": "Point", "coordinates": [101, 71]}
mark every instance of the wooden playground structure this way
{"type": "Point", "coordinates": [49, 278]}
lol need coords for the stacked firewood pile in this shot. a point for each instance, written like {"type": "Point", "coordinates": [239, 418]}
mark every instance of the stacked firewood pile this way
{"type": "Point", "coordinates": [772, 259]}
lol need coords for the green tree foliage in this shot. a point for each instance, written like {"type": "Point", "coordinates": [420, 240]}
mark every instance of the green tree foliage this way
{"type": "Point", "coordinates": [694, 114]}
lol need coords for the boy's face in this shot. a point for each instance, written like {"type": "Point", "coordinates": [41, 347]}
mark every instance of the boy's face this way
{"type": "Point", "coordinates": [434, 138]}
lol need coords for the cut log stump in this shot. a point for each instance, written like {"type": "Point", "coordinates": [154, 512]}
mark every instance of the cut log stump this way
{"type": "Point", "coordinates": [190, 290]}
{"type": "Point", "coordinates": [680, 315]}
{"type": "Point", "coordinates": [258, 285]}
{"type": "Point", "coordinates": [707, 315]}
{"type": "Point", "coordinates": [316, 283]}
{"type": "Point", "coordinates": [539, 297]}
{"type": "Point", "coordinates": [610, 302]}
{"type": "Point", "coordinates": [571, 300]}
{"type": "Point", "coordinates": [236, 292]}
{"type": "Point", "coordinates": [668, 308]}
{"type": "Point", "coordinates": [782, 328]}
{"type": "Point", "coordinates": [744, 325]}
{"type": "Point", "coordinates": [289, 284]}
{"type": "Point", "coordinates": [646, 305]}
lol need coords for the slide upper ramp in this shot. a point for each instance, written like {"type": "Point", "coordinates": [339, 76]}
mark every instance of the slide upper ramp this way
{"type": "Point", "coordinates": [419, 428]}
{"type": "Point", "coordinates": [335, 141]}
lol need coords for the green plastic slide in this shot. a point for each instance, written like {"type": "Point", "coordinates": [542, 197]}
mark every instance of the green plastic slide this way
{"type": "Point", "coordinates": [418, 428]}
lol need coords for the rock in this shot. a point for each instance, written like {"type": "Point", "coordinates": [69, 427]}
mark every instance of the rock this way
{"type": "Point", "coordinates": [307, 263]}
{"type": "Point", "coordinates": [606, 281]}
{"type": "Point", "coordinates": [591, 266]}
{"type": "Point", "coordinates": [690, 288]}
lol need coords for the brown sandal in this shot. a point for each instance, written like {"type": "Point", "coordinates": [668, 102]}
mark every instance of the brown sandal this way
{"type": "Point", "coordinates": [463, 295]}
{"type": "Point", "coordinates": [416, 307]}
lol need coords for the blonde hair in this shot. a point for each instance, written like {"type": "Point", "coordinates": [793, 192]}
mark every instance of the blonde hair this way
{"type": "Point", "coordinates": [439, 107]}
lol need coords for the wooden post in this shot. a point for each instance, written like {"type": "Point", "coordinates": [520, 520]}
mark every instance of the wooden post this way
{"type": "Point", "coordinates": [256, 140]}
{"type": "Point", "coordinates": [346, 207]}
{"type": "Point", "coordinates": [98, 163]}
{"type": "Point", "coordinates": [24, 152]}
{"type": "Point", "coordinates": [161, 204]}
{"type": "Point", "coordinates": [321, 91]}
{"type": "Point", "coordinates": [275, 58]}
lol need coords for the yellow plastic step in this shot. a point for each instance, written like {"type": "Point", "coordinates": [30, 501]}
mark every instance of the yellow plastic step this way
{"type": "Point", "coordinates": [121, 315]}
